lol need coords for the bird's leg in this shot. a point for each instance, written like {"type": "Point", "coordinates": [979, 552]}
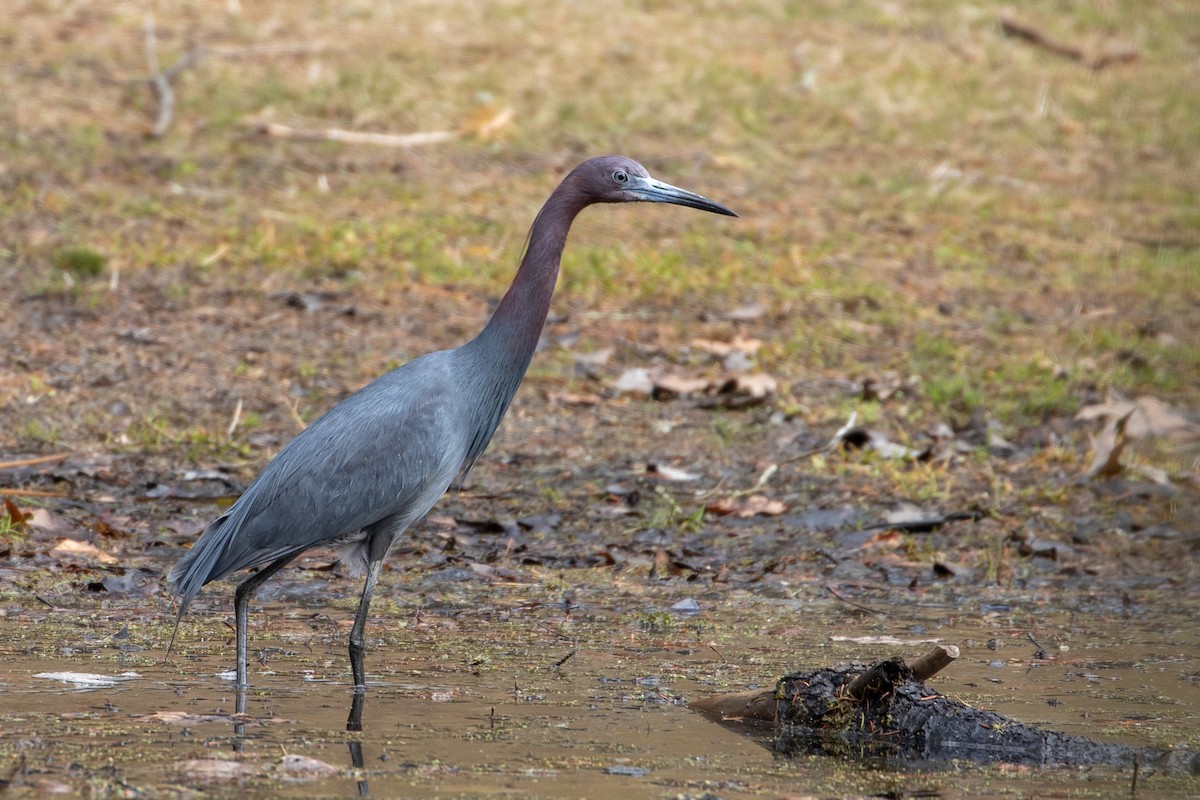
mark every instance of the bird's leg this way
{"type": "Point", "coordinates": [357, 642]}
{"type": "Point", "coordinates": [241, 615]}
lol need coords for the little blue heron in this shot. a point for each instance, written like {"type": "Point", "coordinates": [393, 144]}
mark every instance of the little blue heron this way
{"type": "Point", "coordinates": [377, 461]}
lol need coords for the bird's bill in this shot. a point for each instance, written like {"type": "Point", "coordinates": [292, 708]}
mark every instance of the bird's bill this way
{"type": "Point", "coordinates": [654, 191]}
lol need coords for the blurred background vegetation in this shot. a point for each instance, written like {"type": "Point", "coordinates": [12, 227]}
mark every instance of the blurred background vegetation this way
{"type": "Point", "coordinates": [920, 193]}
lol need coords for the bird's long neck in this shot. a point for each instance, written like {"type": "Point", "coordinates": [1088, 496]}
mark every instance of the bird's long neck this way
{"type": "Point", "coordinates": [512, 334]}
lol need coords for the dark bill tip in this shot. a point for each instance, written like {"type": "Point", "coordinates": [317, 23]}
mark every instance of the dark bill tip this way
{"type": "Point", "coordinates": [653, 191]}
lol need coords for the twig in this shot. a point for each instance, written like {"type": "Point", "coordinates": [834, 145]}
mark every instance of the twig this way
{"type": "Point", "coordinates": [278, 131]}
{"type": "Point", "coordinates": [293, 408]}
{"type": "Point", "coordinates": [161, 79]}
{"type": "Point", "coordinates": [1041, 653]}
{"type": "Point", "coordinates": [766, 476]}
{"type": "Point", "coordinates": [1023, 30]}
{"type": "Point", "coordinates": [31, 493]}
{"type": "Point", "coordinates": [29, 462]}
{"type": "Point", "coordinates": [233, 423]}
{"type": "Point", "coordinates": [829, 588]}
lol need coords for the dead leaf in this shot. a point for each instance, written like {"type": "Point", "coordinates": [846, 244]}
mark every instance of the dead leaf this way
{"type": "Point", "coordinates": [740, 343]}
{"type": "Point", "coordinates": [670, 473]}
{"type": "Point", "coordinates": [742, 391]}
{"type": "Point", "coordinates": [487, 121]}
{"type": "Point", "coordinates": [1107, 447]}
{"type": "Point", "coordinates": [757, 385]}
{"type": "Point", "coordinates": [638, 381]}
{"type": "Point", "coordinates": [15, 516]}
{"type": "Point", "coordinates": [746, 507]}
{"type": "Point", "coordinates": [70, 547]}
{"type": "Point", "coordinates": [667, 387]}
{"type": "Point", "coordinates": [1147, 417]}
{"type": "Point", "coordinates": [43, 521]}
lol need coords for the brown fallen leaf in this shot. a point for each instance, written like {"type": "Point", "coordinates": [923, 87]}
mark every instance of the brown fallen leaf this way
{"type": "Point", "coordinates": [16, 517]}
{"type": "Point", "coordinates": [757, 385]}
{"type": "Point", "coordinates": [670, 473]}
{"type": "Point", "coordinates": [71, 547]}
{"type": "Point", "coordinates": [487, 121]}
{"type": "Point", "coordinates": [742, 391]}
{"type": "Point", "coordinates": [42, 521]}
{"type": "Point", "coordinates": [746, 344]}
{"type": "Point", "coordinates": [1147, 417]}
{"type": "Point", "coordinates": [1107, 447]}
{"type": "Point", "coordinates": [670, 386]}
{"type": "Point", "coordinates": [746, 507]}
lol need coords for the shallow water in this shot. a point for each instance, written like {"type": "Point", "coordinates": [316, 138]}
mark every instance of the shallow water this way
{"type": "Point", "coordinates": [477, 704]}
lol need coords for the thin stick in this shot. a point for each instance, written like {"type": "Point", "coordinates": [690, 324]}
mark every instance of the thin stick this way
{"type": "Point", "coordinates": [31, 493]}
{"type": "Point", "coordinates": [1023, 30]}
{"type": "Point", "coordinates": [233, 423]}
{"type": "Point", "coordinates": [292, 407]}
{"type": "Point", "coordinates": [161, 79]}
{"type": "Point", "coordinates": [29, 462]}
{"type": "Point", "coordinates": [162, 86]}
{"type": "Point", "coordinates": [850, 602]}
{"type": "Point", "coordinates": [278, 131]}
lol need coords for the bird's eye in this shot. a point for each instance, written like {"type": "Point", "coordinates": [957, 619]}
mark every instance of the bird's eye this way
{"type": "Point", "coordinates": [620, 176]}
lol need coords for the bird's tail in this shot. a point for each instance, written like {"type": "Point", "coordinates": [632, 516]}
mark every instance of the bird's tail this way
{"type": "Point", "coordinates": [198, 567]}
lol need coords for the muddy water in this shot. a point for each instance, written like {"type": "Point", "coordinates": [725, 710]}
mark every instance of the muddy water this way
{"type": "Point", "coordinates": [469, 705]}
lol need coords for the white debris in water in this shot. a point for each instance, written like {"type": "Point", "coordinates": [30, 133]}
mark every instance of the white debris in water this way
{"type": "Point", "coordinates": [87, 680]}
{"type": "Point", "coordinates": [228, 675]}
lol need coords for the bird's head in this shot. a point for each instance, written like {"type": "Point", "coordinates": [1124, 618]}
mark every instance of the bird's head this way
{"type": "Point", "coordinates": [617, 179]}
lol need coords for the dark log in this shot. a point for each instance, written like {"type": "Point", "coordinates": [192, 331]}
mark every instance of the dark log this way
{"type": "Point", "coordinates": [883, 713]}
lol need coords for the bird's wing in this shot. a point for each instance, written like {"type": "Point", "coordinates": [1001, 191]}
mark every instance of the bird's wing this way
{"type": "Point", "coordinates": [388, 451]}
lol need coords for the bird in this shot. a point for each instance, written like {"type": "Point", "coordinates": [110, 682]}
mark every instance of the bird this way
{"type": "Point", "coordinates": [378, 461]}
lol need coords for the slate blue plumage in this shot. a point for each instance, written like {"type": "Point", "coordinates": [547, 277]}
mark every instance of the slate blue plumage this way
{"type": "Point", "coordinates": [377, 462]}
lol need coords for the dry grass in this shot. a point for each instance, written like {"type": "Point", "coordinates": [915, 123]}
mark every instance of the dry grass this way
{"type": "Point", "coordinates": [918, 192]}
